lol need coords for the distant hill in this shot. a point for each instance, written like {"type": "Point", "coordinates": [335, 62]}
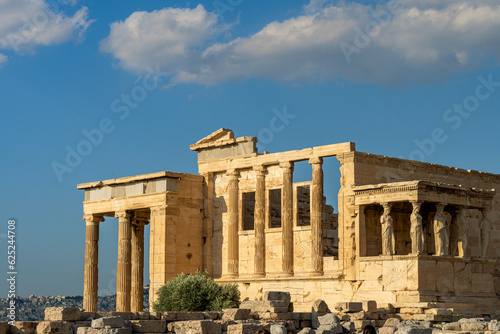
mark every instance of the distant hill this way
{"type": "Point", "coordinates": [33, 308]}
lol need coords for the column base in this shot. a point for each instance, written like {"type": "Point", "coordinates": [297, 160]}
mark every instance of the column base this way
{"type": "Point", "coordinates": [316, 273]}
{"type": "Point", "coordinates": [284, 274]}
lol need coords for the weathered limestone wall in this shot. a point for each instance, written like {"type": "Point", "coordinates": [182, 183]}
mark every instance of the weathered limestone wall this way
{"type": "Point", "coordinates": [177, 236]}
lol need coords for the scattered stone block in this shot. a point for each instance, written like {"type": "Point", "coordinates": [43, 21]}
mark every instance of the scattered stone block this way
{"type": "Point", "coordinates": [349, 326]}
{"type": "Point", "coordinates": [23, 327]}
{"type": "Point", "coordinates": [370, 306]}
{"type": "Point", "coordinates": [87, 316]}
{"type": "Point", "coordinates": [392, 322]}
{"type": "Point", "coordinates": [126, 330]}
{"type": "Point", "coordinates": [329, 319]}
{"type": "Point", "coordinates": [168, 316]}
{"type": "Point", "coordinates": [494, 325]}
{"type": "Point", "coordinates": [212, 315]}
{"type": "Point", "coordinates": [454, 326]}
{"type": "Point", "coordinates": [320, 306]}
{"type": "Point", "coordinates": [349, 307]}
{"type": "Point", "coordinates": [142, 316]}
{"type": "Point", "coordinates": [247, 328]}
{"type": "Point", "coordinates": [278, 329]}
{"type": "Point", "coordinates": [86, 330]}
{"type": "Point", "coordinates": [107, 322]}
{"type": "Point", "coordinates": [54, 327]}
{"type": "Point", "coordinates": [236, 314]}
{"type": "Point", "coordinates": [62, 314]}
{"type": "Point", "coordinates": [187, 316]}
{"type": "Point", "coordinates": [256, 306]}
{"type": "Point", "coordinates": [411, 310]}
{"type": "Point", "coordinates": [77, 324]}
{"type": "Point", "coordinates": [358, 316]}
{"type": "Point", "coordinates": [307, 330]}
{"type": "Point", "coordinates": [413, 330]}
{"type": "Point", "coordinates": [439, 311]}
{"type": "Point", "coordinates": [474, 326]}
{"type": "Point", "coordinates": [386, 330]}
{"type": "Point", "coordinates": [360, 324]}
{"type": "Point", "coordinates": [278, 299]}
{"type": "Point", "coordinates": [148, 326]}
{"type": "Point", "coordinates": [198, 327]}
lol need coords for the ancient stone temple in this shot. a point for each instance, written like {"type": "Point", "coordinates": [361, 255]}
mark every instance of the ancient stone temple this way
{"type": "Point", "coordinates": [407, 233]}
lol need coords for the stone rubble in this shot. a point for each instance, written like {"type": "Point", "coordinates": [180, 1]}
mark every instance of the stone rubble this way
{"type": "Point", "coordinates": [264, 317]}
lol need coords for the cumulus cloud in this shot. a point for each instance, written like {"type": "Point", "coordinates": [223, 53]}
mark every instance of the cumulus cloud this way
{"type": "Point", "coordinates": [25, 24]}
{"type": "Point", "coordinates": [391, 43]}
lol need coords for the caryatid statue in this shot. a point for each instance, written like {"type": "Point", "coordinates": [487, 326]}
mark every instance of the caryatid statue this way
{"type": "Point", "coordinates": [463, 232]}
{"type": "Point", "coordinates": [485, 233]}
{"type": "Point", "coordinates": [388, 241]}
{"type": "Point", "coordinates": [416, 230]}
{"type": "Point", "coordinates": [441, 238]}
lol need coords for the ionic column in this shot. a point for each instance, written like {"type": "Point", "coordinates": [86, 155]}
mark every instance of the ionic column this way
{"type": "Point", "coordinates": [287, 218]}
{"type": "Point", "coordinates": [232, 227]}
{"type": "Point", "coordinates": [137, 284]}
{"type": "Point", "coordinates": [91, 260]}
{"type": "Point", "coordinates": [123, 275]}
{"type": "Point", "coordinates": [259, 222]}
{"type": "Point", "coordinates": [317, 215]}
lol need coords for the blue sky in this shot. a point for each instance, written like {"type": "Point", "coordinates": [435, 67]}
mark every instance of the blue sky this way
{"type": "Point", "coordinates": [415, 79]}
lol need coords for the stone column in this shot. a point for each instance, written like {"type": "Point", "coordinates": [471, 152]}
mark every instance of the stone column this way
{"type": "Point", "coordinates": [463, 232]}
{"type": "Point", "coordinates": [123, 271]}
{"type": "Point", "coordinates": [259, 221]}
{"type": "Point", "coordinates": [137, 284]}
{"type": "Point", "coordinates": [232, 226]}
{"type": "Point", "coordinates": [416, 229]}
{"type": "Point", "coordinates": [287, 218]}
{"type": "Point", "coordinates": [91, 261]}
{"type": "Point", "coordinates": [388, 240]}
{"type": "Point", "coordinates": [441, 238]}
{"type": "Point", "coordinates": [317, 215]}
{"type": "Point", "coordinates": [485, 226]}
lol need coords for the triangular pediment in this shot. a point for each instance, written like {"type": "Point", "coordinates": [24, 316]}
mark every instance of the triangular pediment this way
{"type": "Point", "coordinates": [221, 134]}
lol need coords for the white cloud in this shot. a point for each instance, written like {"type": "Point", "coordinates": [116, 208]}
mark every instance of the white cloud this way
{"type": "Point", "coordinates": [3, 59]}
{"type": "Point", "coordinates": [393, 43]}
{"type": "Point", "coordinates": [25, 24]}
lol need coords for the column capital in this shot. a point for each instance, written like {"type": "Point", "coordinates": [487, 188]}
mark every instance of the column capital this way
{"type": "Point", "coordinates": [386, 205]}
{"type": "Point", "coordinates": [233, 173]}
{"type": "Point", "coordinates": [315, 160]}
{"type": "Point", "coordinates": [122, 214]}
{"type": "Point", "coordinates": [260, 169]}
{"type": "Point", "coordinates": [92, 218]}
{"type": "Point", "coordinates": [286, 165]}
{"type": "Point", "coordinates": [140, 222]}
{"type": "Point", "coordinates": [440, 206]}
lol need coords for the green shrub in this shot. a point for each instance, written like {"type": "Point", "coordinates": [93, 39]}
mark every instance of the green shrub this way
{"type": "Point", "coordinates": [196, 293]}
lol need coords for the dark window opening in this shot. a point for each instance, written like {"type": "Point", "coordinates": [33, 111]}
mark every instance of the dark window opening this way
{"type": "Point", "coordinates": [248, 211]}
{"type": "Point", "coordinates": [274, 208]}
{"type": "Point", "coordinates": [304, 205]}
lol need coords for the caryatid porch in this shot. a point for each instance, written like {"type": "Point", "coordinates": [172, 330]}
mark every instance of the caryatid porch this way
{"type": "Point", "coordinates": [430, 215]}
{"type": "Point", "coordinates": [416, 234]}
{"type": "Point", "coordinates": [172, 203]}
